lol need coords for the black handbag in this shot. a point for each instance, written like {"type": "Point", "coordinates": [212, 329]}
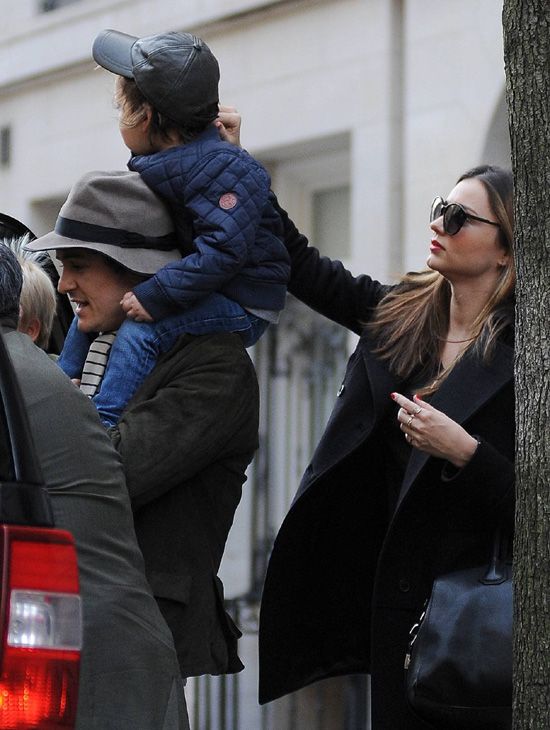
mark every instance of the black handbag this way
{"type": "Point", "coordinates": [459, 663]}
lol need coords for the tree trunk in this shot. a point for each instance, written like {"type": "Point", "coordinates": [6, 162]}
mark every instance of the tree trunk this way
{"type": "Point", "coordinates": [527, 61]}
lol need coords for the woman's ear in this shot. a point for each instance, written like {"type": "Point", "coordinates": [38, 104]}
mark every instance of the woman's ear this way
{"type": "Point", "coordinates": [504, 259]}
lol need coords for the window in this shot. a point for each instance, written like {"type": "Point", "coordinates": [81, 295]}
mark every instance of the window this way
{"type": "Point", "coordinates": [331, 221]}
{"type": "Point", "coordinates": [5, 146]}
{"type": "Point", "coordinates": [47, 5]}
{"type": "Point", "coordinates": [312, 181]}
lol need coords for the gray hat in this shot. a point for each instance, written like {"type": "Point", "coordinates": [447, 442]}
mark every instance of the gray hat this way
{"type": "Point", "coordinates": [176, 72]}
{"type": "Point", "coordinates": [116, 214]}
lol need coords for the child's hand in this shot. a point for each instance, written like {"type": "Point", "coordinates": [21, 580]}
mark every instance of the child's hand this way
{"type": "Point", "coordinates": [76, 381]}
{"type": "Point", "coordinates": [134, 310]}
{"type": "Point", "coordinates": [228, 124]}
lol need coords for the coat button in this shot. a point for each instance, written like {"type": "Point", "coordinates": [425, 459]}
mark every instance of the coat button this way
{"type": "Point", "coordinates": [340, 390]}
{"type": "Point", "coordinates": [404, 585]}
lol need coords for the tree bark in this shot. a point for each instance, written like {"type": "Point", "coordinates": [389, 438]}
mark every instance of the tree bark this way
{"type": "Point", "coordinates": [527, 62]}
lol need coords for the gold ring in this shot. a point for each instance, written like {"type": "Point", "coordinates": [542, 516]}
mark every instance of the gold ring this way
{"type": "Point", "coordinates": [418, 410]}
{"type": "Point", "coordinates": [410, 421]}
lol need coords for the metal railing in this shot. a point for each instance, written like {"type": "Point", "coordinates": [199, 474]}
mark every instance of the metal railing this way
{"type": "Point", "coordinates": [230, 702]}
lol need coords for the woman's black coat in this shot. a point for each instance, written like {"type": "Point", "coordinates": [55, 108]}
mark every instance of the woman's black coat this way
{"type": "Point", "coordinates": [346, 579]}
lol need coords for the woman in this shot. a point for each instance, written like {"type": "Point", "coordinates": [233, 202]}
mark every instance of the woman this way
{"type": "Point", "coordinates": [415, 468]}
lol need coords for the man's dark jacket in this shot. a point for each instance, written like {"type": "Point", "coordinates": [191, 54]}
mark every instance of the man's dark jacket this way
{"type": "Point", "coordinates": [186, 439]}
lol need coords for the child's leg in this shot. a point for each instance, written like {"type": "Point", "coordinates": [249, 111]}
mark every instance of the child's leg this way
{"type": "Point", "coordinates": [138, 344]}
{"type": "Point", "coordinates": [132, 357]}
{"type": "Point", "coordinates": [256, 327]}
{"type": "Point", "coordinates": [214, 313]}
{"type": "Point", "coordinates": [75, 349]}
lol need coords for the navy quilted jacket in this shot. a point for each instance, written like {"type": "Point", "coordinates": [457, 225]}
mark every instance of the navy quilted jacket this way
{"type": "Point", "coordinates": [221, 192]}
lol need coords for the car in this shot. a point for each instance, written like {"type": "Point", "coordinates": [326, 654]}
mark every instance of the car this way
{"type": "Point", "coordinates": [40, 603]}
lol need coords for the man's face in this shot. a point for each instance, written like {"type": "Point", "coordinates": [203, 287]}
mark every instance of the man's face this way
{"type": "Point", "coordinates": [94, 288]}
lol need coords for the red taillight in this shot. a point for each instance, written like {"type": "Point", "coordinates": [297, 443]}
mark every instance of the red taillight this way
{"type": "Point", "coordinates": [41, 629]}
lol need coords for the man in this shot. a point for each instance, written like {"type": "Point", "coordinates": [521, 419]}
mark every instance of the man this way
{"type": "Point", "coordinates": [189, 432]}
{"type": "Point", "coordinates": [129, 677]}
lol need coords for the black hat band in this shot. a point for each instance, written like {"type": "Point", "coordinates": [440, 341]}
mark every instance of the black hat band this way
{"type": "Point", "coordinates": [92, 233]}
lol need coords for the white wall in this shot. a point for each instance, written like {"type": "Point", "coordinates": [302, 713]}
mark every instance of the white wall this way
{"type": "Point", "coordinates": [454, 81]}
{"type": "Point", "coordinates": [408, 86]}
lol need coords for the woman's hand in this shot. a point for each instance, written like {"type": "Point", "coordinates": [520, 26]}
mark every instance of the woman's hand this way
{"type": "Point", "coordinates": [432, 431]}
{"type": "Point", "coordinates": [229, 124]}
{"type": "Point", "coordinates": [131, 305]}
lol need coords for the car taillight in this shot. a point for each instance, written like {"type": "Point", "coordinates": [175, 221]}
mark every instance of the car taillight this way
{"type": "Point", "coordinates": [41, 624]}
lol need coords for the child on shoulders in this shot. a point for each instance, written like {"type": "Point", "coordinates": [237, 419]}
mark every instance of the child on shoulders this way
{"type": "Point", "coordinates": [234, 267]}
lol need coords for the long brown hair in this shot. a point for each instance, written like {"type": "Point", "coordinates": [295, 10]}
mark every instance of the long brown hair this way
{"type": "Point", "coordinates": [413, 318]}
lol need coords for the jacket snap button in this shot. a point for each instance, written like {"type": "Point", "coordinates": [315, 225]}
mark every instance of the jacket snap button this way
{"type": "Point", "coordinates": [404, 585]}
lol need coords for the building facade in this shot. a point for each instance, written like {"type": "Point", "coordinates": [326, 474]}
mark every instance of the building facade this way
{"type": "Point", "coordinates": [363, 111]}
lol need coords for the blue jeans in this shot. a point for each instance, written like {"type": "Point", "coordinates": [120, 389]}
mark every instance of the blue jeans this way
{"type": "Point", "coordinates": [138, 345]}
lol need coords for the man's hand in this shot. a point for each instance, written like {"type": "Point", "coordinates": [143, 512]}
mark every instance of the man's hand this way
{"type": "Point", "coordinates": [131, 305]}
{"type": "Point", "coordinates": [229, 124]}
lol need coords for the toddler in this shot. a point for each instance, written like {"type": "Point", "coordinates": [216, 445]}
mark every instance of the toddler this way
{"type": "Point", "coordinates": [234, 267]}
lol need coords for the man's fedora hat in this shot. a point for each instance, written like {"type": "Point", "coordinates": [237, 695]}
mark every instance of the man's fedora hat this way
{"type": "Point", "coordinates": [116, 214]}
{"type": "Point", "coordinates": [176, 72]}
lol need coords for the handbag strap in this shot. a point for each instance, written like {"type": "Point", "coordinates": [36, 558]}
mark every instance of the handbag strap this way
{"type": "Point", "coordinates": [497, 571]}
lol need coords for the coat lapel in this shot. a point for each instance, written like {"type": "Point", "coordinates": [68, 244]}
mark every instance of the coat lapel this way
{"type": "Point", "coordinates": [381, 381]}
{"type": "Point", "coordinates": [468, 387]}
{"type": "Point", "coordinates": [362, 400]}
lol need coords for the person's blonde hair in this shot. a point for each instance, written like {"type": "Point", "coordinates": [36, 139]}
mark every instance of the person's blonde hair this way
{"type": "Point", "coordinates": [412, 320]}
{"type": "Point", "coordinates": [38, 300]}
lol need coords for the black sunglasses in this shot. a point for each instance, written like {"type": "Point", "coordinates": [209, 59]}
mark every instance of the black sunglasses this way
{"type": "Point", "coordinates": [454, 216]}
